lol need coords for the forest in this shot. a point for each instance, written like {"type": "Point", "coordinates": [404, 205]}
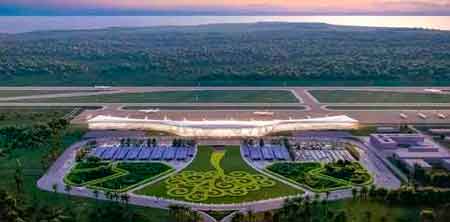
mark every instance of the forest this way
{"type": "Point", "coordinates": [228, 54]}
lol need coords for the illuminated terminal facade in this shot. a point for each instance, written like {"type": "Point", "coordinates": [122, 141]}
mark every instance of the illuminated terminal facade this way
{"type": "Point", "coordinates": [222, 128]}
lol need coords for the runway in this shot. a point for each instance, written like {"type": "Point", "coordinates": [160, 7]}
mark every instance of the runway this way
{"type": "Point", "coordinates": [308, 107]}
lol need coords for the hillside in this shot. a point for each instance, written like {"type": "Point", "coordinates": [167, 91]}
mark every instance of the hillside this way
{"type": "Point", "coordinates": [237, 54]}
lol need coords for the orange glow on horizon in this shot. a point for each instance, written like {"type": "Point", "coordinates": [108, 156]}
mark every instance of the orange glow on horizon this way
{"type": "Point", "coordinates": [262, 5]}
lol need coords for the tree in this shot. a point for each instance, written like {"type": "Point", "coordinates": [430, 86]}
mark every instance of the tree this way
{"type": "Point", "coordinates": [251, 216]}
{"type": "Point", "coordinates": [340, 216]}
{"type": "Point", "coordinates": [9, 208]}
{"type": "Point", "coordinates": [18, 177]}
{"type": "Point", "coordinates": [96, 195]}
{"type": "Point", "coordinates": [427, 215]}
{"type": "Point", "coordinates": [368, 216]}
{"type": "Point", "coordinates": [125, 198]}
{"type": "Point", "coordinates": [175, 211]}
{"type": "Point", "coordinates": [68, 189]}
{"type": "Point", "coordinates": [55, 187]}
{"type": "Point", "coordinates": [268, 216]}
{"type": "Point", "coordinates": [238, 217]}
{"type": "Point", "coordinates": [363, 192]}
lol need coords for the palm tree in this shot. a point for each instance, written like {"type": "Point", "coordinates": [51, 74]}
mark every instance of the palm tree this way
{"type": "Point", "coordinates": [268, 216]}
{"type": "Point", "coordinates": [341, 216]}
{"type": "Point", "coordinates": [125, 198]}
{"type": "Point", "coordinates": [67, 188]}
{"type": "Point", "coordinates": [250, 215]}
{"type": "Point", "coordinates": [108, 195]}
{"type": "Point", "coordinates": [324, 204]}
{"type": "Point", "coordinates": [238, 217]}
{"type": "Point", "coordinates": [18, 177]}
{"type": "Point", "coordinates": [368, 215]}
{"type": "Point", "coordinates": [175, 211]}
{"type": "Point", "coordinates": [354, 192]}
{"type": "Point", "coordinates": [363, 192]}
{"type": "Point", "coordinates": [96, 193]}
{"type": "Point", "coordinates": [55, 187]}
{"type": "Point", "coordinates": [427, 215]}
{"type": "Point", "coordinates": [194, 217]}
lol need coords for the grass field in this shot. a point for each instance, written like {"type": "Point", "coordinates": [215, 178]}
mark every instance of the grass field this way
{"type": "Point", "coordinates": [208, 162]}
{"type": "Point", "coordinates": [17, 93]}
{"type": "Point", "coordinates": [212, 107]}
{"type": "Point", "coordinates": [203, 96]}
{"type": "Point", "coordinates": [360, 96]}
{"type": "Point", "coordinates": [33, 114]}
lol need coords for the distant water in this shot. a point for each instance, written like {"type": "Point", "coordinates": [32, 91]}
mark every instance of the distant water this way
{"type": "Point", "coordinates": [18, 24]}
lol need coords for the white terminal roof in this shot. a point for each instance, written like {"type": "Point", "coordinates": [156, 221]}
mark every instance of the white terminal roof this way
{"type": "Point", "coordinates": [223, 128]}
{"type": "Point", "coordinates": [224, 123]}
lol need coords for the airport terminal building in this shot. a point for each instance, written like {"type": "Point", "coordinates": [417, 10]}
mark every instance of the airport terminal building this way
{"type": "Point", "coordinates": [222, 128]}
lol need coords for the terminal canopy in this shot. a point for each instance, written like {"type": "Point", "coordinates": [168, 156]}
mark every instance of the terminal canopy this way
{"type": "Point", "coordinates": [223, 128]}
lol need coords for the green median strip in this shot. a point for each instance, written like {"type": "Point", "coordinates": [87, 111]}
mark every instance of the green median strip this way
{"type": "Point", "coordinates": [372, 96]}
{"type": "Point", "coordinates": [384, 107]}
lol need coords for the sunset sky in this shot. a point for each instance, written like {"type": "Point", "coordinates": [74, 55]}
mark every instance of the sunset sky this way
{"type": "Point", "coordinates": [227, 6]}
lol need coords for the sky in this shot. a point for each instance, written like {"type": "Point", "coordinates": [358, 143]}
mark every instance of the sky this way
{"type": "Point", "coordinates": [130, 7]}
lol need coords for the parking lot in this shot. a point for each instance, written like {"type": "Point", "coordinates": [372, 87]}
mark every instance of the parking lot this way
{"type": "Point", "coordinates": [324, 150]}
{"type": "Point", "coordinates": [144, 153]}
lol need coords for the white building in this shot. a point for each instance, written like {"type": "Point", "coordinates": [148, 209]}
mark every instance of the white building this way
{"type": "Point", "coordinates": [222, 128]}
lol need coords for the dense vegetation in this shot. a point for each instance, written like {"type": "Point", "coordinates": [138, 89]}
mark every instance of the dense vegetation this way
{"type": "Point", "coordinates": [368, 204]}
{"type": "Point", "coordinates": [435, 177]}
{"type": "Point", "coordinates": [22, 166]}
{"type": "Point", "coordinates": [236, 54]}
{"type": "Point", "coordinates": [20, 116]}
{"type": "Point", "coordinates": [31, 136]}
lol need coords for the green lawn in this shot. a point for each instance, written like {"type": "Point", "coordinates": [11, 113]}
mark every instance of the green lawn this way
{"type": "Point", "coordinates": [30, 159]}
{"type": "Point", "coordinates": [17, 93]}
{"type": "Point", "coordinates": [360, 96]}
{"type": "Point", "coordinates": [202, 96]}
{"type": "Point", "coordinates": [316, 177]}
{"type": "Point", "coordinates": [117, 177]}
{"type": "Point", "coordinates": [231, 163]}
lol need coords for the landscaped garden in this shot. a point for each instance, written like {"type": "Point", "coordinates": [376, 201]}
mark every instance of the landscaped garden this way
{"type": "Point", "coordinates": [219, 176]}
{"type": "Point", "coordinates": [322, 178]}
{"type": "Point", "coordinates": [118, 177]}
